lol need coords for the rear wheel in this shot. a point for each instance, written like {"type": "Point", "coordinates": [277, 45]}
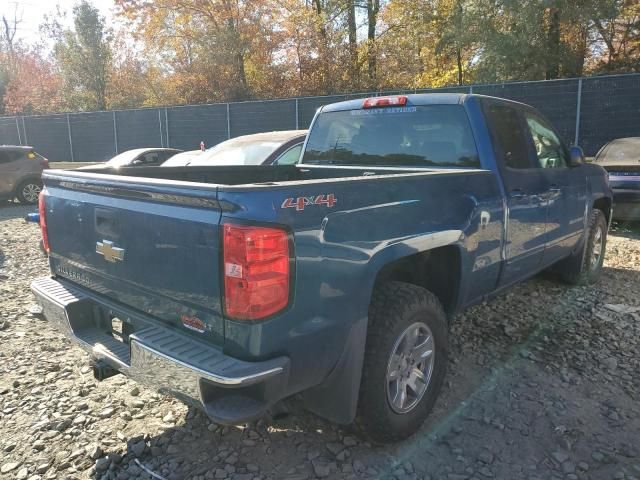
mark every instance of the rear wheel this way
{"type": "Point", "coordinates": [405, 361]}
{"type": "Point", "coordinates": [28, 191]}
{"type": "Point", "coordinates": [589, 269]}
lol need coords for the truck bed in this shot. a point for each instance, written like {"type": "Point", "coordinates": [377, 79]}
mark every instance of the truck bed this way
{"type": "Point", "coordinates": [246, 175]}
{"type": "Point", "coordinates": [166, 221]}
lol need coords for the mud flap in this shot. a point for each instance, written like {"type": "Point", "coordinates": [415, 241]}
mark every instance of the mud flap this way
{"type": "Point", "coordinates": [336, 399]}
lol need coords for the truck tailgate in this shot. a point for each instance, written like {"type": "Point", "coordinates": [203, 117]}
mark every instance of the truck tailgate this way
{"type": "Point", "coordinates": [149, 244]}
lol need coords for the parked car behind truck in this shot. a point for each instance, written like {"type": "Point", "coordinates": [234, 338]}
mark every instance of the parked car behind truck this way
{"type": "Point", "coordinates": [621, 159]}
{"type": "Point", "coordinates": [233, 288]}
{"type": "Point", "coordinates": [138, 157]}
{"type": "Point", "coordinates": [268, 148]}
{"type": "Point", "coordinates": [20, 171]}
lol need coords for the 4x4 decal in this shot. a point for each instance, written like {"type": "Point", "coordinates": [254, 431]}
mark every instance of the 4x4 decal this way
{"type": "Point", "coordinates": [301, 202]}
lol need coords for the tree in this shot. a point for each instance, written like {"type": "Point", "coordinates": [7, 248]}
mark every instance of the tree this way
{"type": "Point", "coordinates": [202, 51]}
{"type": "Point", "coordinates": [457, 40]}
{"type": "Point", "coordinates": [83, 56]}
{"type": "Point", "coordinates": [8, 30]}
{"type": "Point", "coordinates": [135, 82]}
{"type": "Point", "coordinates": [28, 81]}
{"type": "Point", "coordinates": [207, 43]}
{"type": "Point", "coordinates": [35, 86]}
{"type": "Point", "coordinates": [542, 39]}
{"type": "Point", "coordinates": [373, 9]}
{"type": "Point", "coordinates": [617, 23]}
{"type": "Point", "coordinates": [426, 43]}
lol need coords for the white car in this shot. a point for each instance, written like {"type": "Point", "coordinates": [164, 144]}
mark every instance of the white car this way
{"type": "Point", "coordinates": [139, 157]}
{"type": "Point", "coordinates": [271, 148]}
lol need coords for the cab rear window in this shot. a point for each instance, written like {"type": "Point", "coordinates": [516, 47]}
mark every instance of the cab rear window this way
{"type": "Point", "coordinates": [412, 136]}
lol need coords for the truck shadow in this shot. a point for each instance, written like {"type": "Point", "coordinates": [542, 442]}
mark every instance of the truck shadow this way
{"type": "Point", "coordinates": [626, 229]}
{"type": "Point", "coordinates": [11, 210]}
{"type": "Point", "coordinates": [514, 346]}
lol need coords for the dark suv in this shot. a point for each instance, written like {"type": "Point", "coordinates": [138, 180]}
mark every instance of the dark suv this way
{"type": "Point", "coordinates": [20, 172]}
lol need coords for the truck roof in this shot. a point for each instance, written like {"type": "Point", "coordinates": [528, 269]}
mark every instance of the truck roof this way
{"type": "Point", "coordinates": [415, 99]}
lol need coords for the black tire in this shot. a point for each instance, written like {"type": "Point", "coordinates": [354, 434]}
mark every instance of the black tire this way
{"type": "Point", "coordinates": [26, 188]}
{"type": "Point", "coordinates": [583, 270]}
{"type": "Point", "coordinates": [396, 306]}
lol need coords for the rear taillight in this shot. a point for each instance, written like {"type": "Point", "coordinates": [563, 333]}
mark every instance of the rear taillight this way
{"type": "Point", "coordinates": [256, 271]}
{"type": "Point", "coordinates": [42, 210]}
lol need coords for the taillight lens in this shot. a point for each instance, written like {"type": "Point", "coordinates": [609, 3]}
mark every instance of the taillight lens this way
{"type": "Point", "coordinates": [42, 210]}
{"type": "Point", "coordinates": [256, 271]}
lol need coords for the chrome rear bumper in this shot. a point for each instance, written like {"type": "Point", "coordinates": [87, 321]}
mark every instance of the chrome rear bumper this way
{"type": "Point", "coordinates": [229, 390]}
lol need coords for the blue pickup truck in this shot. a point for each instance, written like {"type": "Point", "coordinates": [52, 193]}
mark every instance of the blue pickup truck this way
{"type": "Point", "coordinates": [233, 288]}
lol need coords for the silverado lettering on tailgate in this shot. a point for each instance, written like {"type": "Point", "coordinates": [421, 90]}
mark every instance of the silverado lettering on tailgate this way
{"type": "Point", "coordinates": [72, 274]}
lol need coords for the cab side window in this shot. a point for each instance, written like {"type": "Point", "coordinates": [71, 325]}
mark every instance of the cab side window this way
{"type": "Point", "coordinates": [549, 149]}
{"type": "Point", "coordinates": [289, 157]}
{"type": "Point", "coordinates": [509, 138]}
{"type": "Point", "coordinates": [150, 158]}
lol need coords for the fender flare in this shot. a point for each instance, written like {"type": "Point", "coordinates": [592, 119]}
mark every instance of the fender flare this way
{"type": "Point", "coordinates": [415, 245]}
{"type": "Point", "coordinates": [336, 398]}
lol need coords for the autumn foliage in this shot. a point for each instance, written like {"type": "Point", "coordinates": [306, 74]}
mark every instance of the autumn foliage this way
{"type": "Point", "coordinates": [165, 52]}
{"type": "Point", "coordinates": [34, 86]}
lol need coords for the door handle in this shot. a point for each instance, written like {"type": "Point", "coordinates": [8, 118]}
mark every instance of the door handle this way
{"type": "Point", "coordinates": [105, 222]}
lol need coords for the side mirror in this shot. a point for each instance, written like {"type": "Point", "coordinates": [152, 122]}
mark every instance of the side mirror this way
{"type": "Point", "coordinates": [576, 157]}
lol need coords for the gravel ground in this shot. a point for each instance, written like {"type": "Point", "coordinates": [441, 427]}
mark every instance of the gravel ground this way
{"type": "Point", "coordinates": [543, 384]}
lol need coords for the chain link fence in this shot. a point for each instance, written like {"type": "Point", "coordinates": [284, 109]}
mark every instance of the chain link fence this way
{"type": "Point", "coordinates": [587, 111]}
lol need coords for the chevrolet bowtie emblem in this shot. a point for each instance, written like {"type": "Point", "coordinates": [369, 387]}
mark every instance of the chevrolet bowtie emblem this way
{"type": "Point", "coordinates": [109, 252]}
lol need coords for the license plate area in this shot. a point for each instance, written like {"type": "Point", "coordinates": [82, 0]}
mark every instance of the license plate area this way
{"type": "Point", "coordinates": [116, 325]}
{"type": "Point", "coordinates": [118, 329]}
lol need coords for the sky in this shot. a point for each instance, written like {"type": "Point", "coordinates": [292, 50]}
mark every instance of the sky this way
{"type": "Point", "coordinates": [32, 13]}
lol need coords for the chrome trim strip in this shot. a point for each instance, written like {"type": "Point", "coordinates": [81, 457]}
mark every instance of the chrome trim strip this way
{"type": "Point", "coordinates": [100, 351]}
{"type": "Point", "coordinates": [433, 240]}
{"type": "Point", "coordinates": [505, 228]}
{"type": "Point", "coordinates": [245, 380]}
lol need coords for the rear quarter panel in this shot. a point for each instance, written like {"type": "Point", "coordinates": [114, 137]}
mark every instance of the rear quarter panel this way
{"type": "Point", "coordinates": [339, 251]}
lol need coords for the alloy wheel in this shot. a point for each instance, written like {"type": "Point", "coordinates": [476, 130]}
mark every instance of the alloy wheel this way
{"type": "Point", "coordinates": [31, 191]}
{"type": "Point", "coordinates": [410, 368]}
{"type": "Point", "coordinates": [596, 251]}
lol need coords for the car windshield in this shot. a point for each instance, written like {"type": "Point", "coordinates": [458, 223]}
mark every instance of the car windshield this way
{"type": "Point", "coordinates": [625, 151]}
{"type": "Point", "coordinates": [238, 151]}
{"type": "Point", "coordinates": [434, 135]}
